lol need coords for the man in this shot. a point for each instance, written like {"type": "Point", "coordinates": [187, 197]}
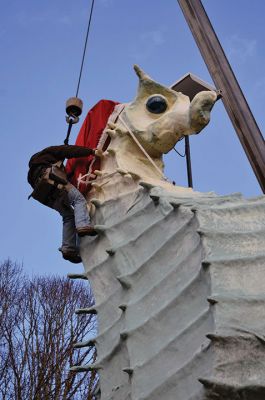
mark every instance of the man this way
{"type": "Point", "coordinates": [48, 178]}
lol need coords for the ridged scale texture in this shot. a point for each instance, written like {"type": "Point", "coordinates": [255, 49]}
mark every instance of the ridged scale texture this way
{"type": "Point", "coordinates": [156, 261]}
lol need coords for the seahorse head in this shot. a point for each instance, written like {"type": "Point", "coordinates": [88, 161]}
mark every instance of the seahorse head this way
{"type": "Point", "coordinates": [159, 116]}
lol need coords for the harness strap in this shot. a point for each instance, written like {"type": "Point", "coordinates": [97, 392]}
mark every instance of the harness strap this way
{"type": "Point", "coordinates": [112, 118]}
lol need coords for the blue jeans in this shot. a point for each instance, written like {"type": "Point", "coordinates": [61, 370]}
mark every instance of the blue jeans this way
{"type": "Point", "coordinates": [75, 215]}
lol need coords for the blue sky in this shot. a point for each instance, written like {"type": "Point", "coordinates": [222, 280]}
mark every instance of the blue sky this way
{"type": "Point", "coordinates": [41, 46]}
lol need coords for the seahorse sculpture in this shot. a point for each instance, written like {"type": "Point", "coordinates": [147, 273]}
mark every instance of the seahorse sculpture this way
{"type": "Point", "coordinates": [178, 276]}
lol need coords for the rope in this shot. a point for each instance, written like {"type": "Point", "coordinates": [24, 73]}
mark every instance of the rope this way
{"type": "Point", "coordinates": [85, 46]}
{"type": "Point", "coordinates": [80, 179]}
{"type": "Point", "coordinates": [181, 155]}
{"type": "Point", "coordinates": [174, 148]}
{"type": "Point", "coordinates": [143, 150]}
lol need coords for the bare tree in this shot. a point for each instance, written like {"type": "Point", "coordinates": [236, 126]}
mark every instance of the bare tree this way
{"type": "Point", "coordinates": [38, 329]}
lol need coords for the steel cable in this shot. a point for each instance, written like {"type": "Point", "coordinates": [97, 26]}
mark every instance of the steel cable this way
{"type": "Point", "coordinates": [85, 47]}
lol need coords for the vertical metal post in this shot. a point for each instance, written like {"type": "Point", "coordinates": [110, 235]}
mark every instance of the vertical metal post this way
{"type": "Point", "coordinates": [188, 161]}
{"type": "Point", "coordinates": [221, 72]}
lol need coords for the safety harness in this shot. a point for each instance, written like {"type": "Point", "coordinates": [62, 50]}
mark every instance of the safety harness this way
{"type": "Point", "coordinates": [50, 181]}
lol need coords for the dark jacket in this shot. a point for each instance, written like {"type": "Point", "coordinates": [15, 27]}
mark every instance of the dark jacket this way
{"type": "Point", "coordinates": [52, 154]}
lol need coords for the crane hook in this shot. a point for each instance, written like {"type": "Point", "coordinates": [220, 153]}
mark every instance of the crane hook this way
{"type": "Point", "coordinates": [73, 109]}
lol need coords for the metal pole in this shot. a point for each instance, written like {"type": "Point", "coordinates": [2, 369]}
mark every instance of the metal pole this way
{"type": "Point", "coordinates": [233, 98]}
{"type": "Point", "coordinates": [188, 161]}
{"type": "Point", "coordinates": [70, 124]}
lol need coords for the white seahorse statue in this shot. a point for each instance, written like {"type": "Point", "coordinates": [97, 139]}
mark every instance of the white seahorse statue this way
{"type": "Point", "coordinates": [177, 275]}
{"type": "Point", "coordinates": [146, 129]}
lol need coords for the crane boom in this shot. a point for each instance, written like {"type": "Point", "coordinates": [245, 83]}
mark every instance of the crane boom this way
{"type": "Point", "coordinates": [224, 78]}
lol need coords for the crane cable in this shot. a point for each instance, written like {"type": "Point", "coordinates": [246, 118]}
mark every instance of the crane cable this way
{"type": "Point", "coordinates": [85, 47]}
{"type": "Point", "coordinates": [74, 104]}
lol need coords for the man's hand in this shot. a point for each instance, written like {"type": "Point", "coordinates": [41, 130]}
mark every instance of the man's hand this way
{"type": "Point", "coordinates": [99, 153]}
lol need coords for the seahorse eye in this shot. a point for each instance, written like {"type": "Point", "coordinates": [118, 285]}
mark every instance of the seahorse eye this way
{"type": "Point", "coordinates": [156, 105]}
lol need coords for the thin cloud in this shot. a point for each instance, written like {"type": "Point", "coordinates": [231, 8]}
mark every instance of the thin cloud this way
{"type": "Point", "coordinates": [3, 33]}
{"type": "Point", "coordinates": [241, 49]}
{"type": "Point", "coordinates": [146, 44]}
{"type": "Point", "coordinates": [106, 3]}
{"type": "Point", "coordinates": [259, 86]}
{"type": "Point", "coordinates": [3, 92]}
{"type": "Point", "coordinates": [24, 20]}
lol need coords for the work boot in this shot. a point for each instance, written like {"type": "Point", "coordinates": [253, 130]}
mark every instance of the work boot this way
{"type": "Point", "coordinates": [86, 231]}
{"type": "Point", "coordinates": [71, 255]}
